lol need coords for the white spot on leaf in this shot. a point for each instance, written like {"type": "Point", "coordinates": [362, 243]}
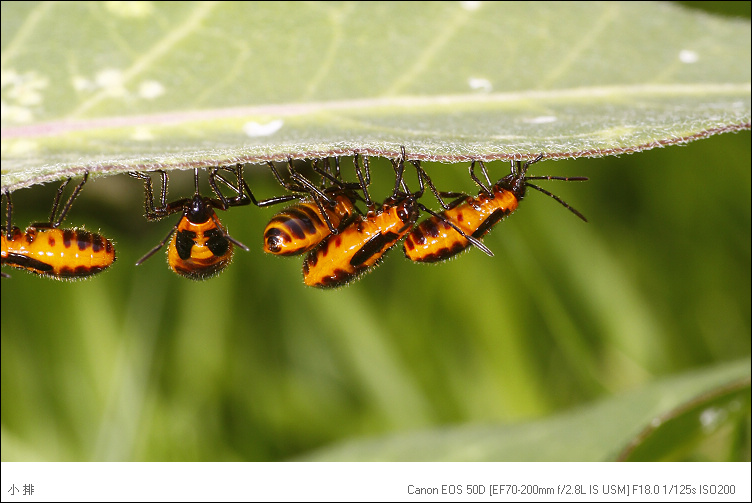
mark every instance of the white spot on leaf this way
{"type": "Point", "coordinates": [19, 147]}
{"type": "Point", "coordinates": [254, 129]}
{"type": "Point", "coordinates": [129, 9]}
{"type": "Point", "coordinates": [20, 93]}
{"type": "Point", "coordinates": [111, 82]}
{"type": "Point", "coordinates": [711, 418]}
{"type": "Point", "coordinates": [471, 6]}
{"type": "Point", "coordinates": [142, 134]}
{"type": "Point", "coordinates": [150, 89]}
{"type": "Point", "coordinates": [542, 119]}
{"type": "Point", "coordinates": [12, 113]}
{"type": "Point", "coordinates": [8, 77]}
{"type": "Point", "coordinates": [83, 84]}
{"type": "Point", "coordinates": [480, 83]}
{"type": "Point", "coordinates": [687, 56]}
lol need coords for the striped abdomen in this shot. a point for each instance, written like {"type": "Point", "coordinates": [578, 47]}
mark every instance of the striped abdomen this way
{"type": "Point", "coordinates": [342, 257]}
{"type": "Point", "coordinates": [199, 250]}
{"type": "Point", "coordinates": [433, 239]}
{"type": "Point", "coordinates": [57, 253]}
{"type": "Point", "coordinates": [299, 228]}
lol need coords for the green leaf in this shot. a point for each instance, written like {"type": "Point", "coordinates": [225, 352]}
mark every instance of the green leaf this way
{"type": "Point", "coordinates": [592, 433]}
{"type": "Point", "coordinates": [119, 86]}
{"type": "Point", "coordinates": [707, 419]}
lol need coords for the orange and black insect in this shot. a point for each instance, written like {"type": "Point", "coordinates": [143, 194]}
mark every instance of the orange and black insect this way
{"type": "Point", "coordinates": [56, 253]}
{"type": "Point", "coordinates": [360, 246]}
{"type": "Point", "coordinates": [302, 226]}
{"type": "Point", "coordinates": [200, 247]}
{"type": "Point", "coordinates": [434, 239]}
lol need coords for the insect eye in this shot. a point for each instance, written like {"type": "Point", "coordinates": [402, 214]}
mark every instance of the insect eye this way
{"type": "Point", "coordinates": [407, 211]}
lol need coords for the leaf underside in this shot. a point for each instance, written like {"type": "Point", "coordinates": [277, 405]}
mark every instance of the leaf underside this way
{"type": "Point", "coordinates": [114, 87]}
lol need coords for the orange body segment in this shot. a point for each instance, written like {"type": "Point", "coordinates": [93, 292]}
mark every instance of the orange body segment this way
{"type": "Point", "coordinates": [199, 250]}
{"type": "Point", "coordinates": [342, 257]}
{"type": "Point", "coordinates": [57, 253]}
{"type": "Point", "coordinates": [433, 239]}
{"type": "Point", "coordinates": [300, 227]}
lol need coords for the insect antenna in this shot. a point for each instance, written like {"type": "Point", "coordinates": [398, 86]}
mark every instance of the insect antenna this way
{"type": "Point", "coordinates": [160, 245]}
{"type": "Point", "coordinates": [560, 200]}
{"type": "Point", "coordinates": [523, 170]}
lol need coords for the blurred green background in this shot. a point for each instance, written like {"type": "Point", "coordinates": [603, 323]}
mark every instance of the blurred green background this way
{"type": "Point", "coordinates": [140, 364]}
